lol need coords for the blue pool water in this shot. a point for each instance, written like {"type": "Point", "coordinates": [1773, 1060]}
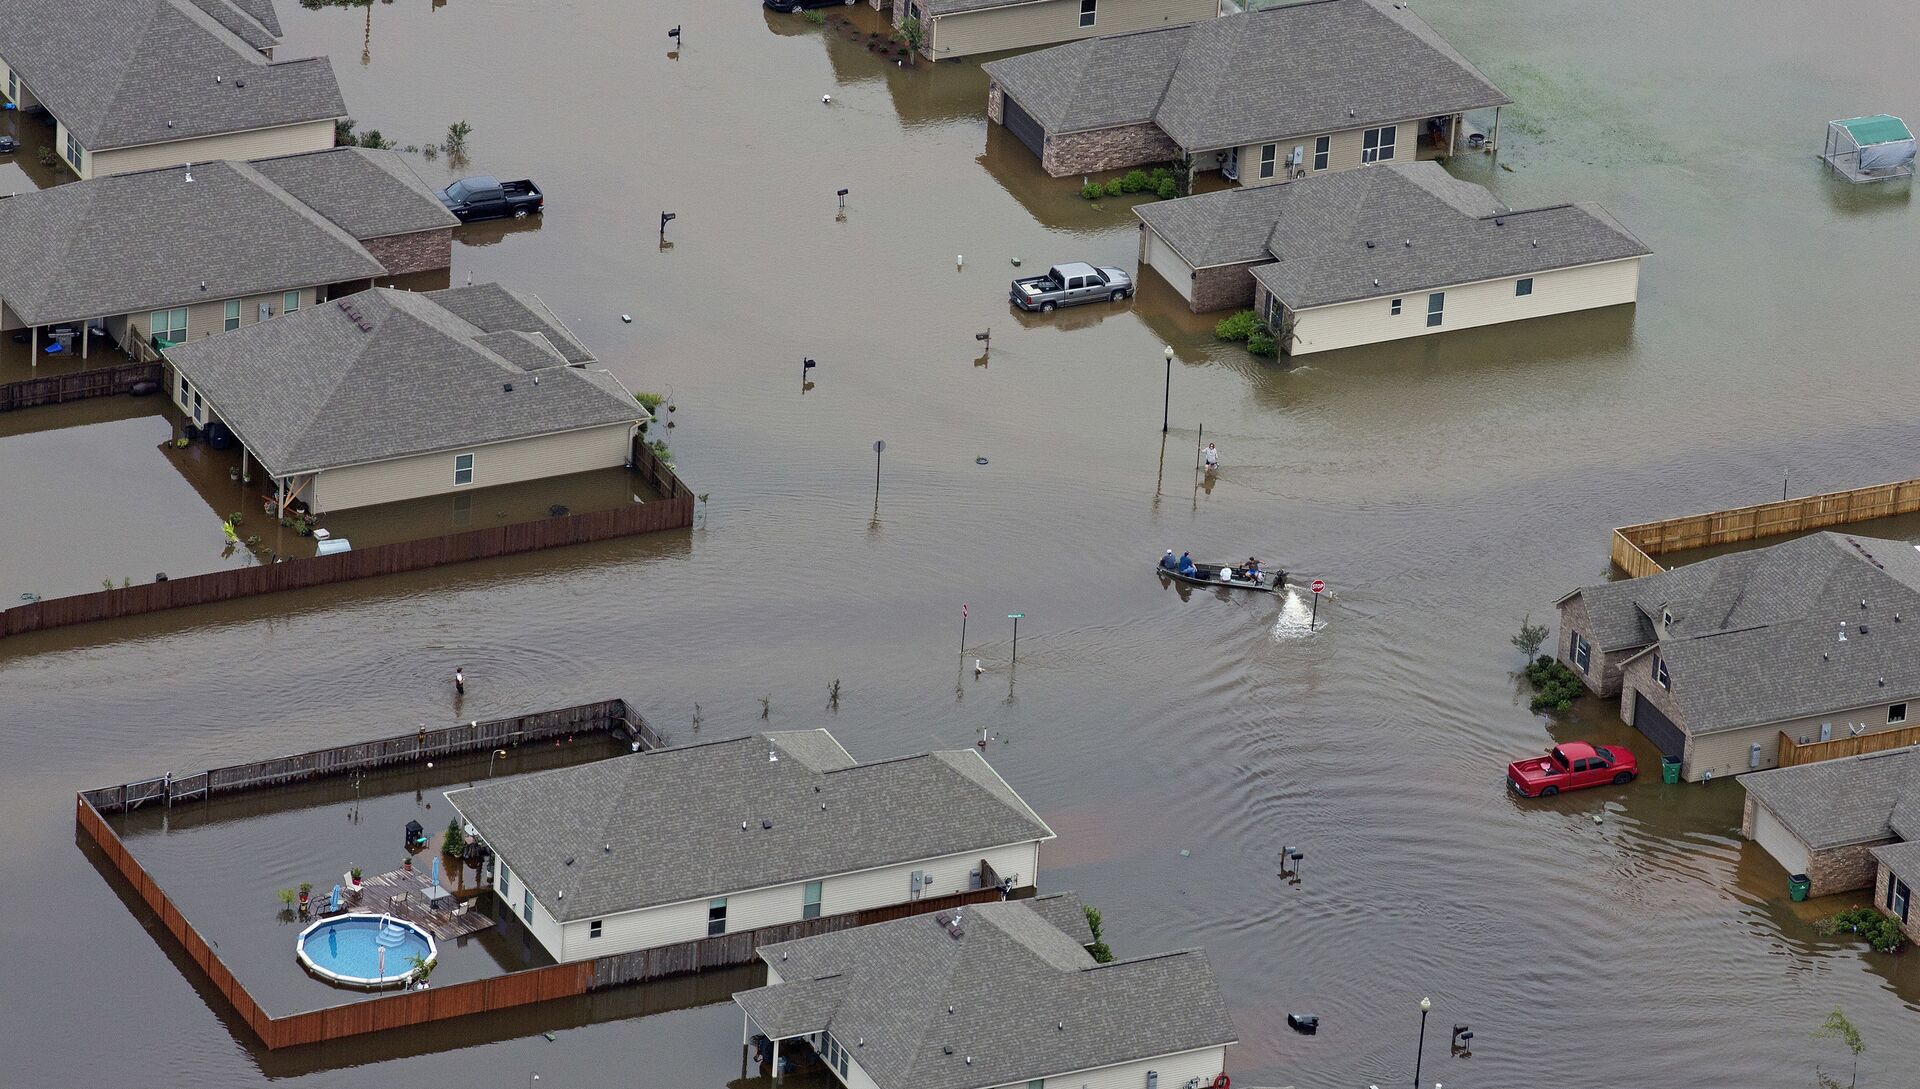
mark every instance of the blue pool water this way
{"type": "Point", "coordinates": [349, 948]}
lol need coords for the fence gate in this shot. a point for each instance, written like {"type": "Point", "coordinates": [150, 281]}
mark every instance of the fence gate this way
{"type": "Point", "coordinates": [148, 790]}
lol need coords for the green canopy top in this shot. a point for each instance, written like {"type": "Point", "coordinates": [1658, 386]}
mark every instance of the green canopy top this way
{"type": "Point", "coordinates": [1881, 128]}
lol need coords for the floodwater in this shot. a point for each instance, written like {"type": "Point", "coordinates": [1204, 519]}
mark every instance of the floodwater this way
{"type": "Point", "coordinates": [1443, 488]}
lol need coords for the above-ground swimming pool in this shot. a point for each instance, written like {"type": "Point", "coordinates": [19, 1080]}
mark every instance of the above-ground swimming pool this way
{"type": "Point", "coordinates": [362, 950]}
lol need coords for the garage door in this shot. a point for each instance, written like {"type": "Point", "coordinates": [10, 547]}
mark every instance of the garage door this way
{"type": "Point", "coordinates": [1162, 259]}
{"type": "Point", "coordinates": [1658, 727]}
{"type": "Point", "coordinates": [1780, 843]}
{"type": "Point", "coordinates": [1022, 124]}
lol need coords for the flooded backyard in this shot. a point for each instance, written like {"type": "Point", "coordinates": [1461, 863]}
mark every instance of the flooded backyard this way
{"type": "Point", "coordinates": [1443, 488]}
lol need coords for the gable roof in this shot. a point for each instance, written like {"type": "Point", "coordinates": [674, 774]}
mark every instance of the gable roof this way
{"type": "Point", "coordinates": [1027, 1000]}
{"type": "Point", "coordinates": [1755, 634]}
{"type": "Point", "coordinates": [1833, 803]}
{"type": "Point", "coordinates": [369, 193]}
{"type": "Point", "coordinates": [673, 817]}
{"type": "Point", "coordinates": [95, 248]}
{"type": "Point", "coordinates": [1279, 73]}
{"type": "Point", "coordinates": [122, 73]}
{"type": "Point", "coordinates": [385, 374]}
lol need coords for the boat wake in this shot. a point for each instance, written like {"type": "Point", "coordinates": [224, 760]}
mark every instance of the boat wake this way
{"type": "Point", "coordinates": [1293, 621]}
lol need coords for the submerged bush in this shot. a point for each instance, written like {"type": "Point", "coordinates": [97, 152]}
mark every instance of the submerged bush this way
{"type": "Point", "coordinates": [1092, 191]}
{"type": "Point", "coordinates": [1261, 343]}
{"type": "Point", "coordinates": [1167, 188]}
{"type": "Point", "coordinates": [1554, 685]}
{"type": "Point", "coordinates": [1133, 181]}
{"type": "Point", "coordinates": [1238, 326]}
{"type": "Point", "coordinates": [1877, 930]}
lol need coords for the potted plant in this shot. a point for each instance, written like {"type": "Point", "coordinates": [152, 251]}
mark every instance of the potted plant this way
{"type": "Point", "coordinates": [408, 864]}
{"type": "Point", "coordinates": [353, 877]}
{"type": "Point", "coordinates": [419, 968]}
{"type": "Point", "coordinates": [306, 890]}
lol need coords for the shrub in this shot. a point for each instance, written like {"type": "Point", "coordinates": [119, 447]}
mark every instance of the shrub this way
{"type": "Point", "coordinates": [1554, 685]}
{"type": "Point", "coordinates": [814, 17]}
{"type": "Point", "coordinates": [1098, 949]}
{"type": "Point", "coordinates": [1133, 181]}
{"type": "Point", "coordinates": [1260, 342]}
{"type": "Point", "coordinates": [1167, 188]}
{"type": "Point", "coordinates": [1238, 326]}
{"type": "Point", "coordinates": [1092, 191]}
{"type": "Point", "coordinates": [649, 400]}
{"type": "Point", "coordinates": [457, 134]}
{"type": "Point", "coordinates": [1116, 187]}
{"type": "Point", "coordinates": [1877, 930]}
{"type": "Point", "coordinates": [456, 838]}
{"type": "Point", "coordinates": [1530, 637]}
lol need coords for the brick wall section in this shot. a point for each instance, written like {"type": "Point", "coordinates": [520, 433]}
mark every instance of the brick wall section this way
{"type": "Point", "coordinates": [1747, 813]}
{"type": "Point", "coordinates": [1638, 677]}
{"type": "Point", "coordinates": [996, 104]}
{"type": "Point", "coordinates": [1843, 869]}
{"type": "Point", "coordinates": [1911, 928]}
{"type": "Point", "coordinates": [422, 251]}
{"type": "Point", "coordinates": [1226, 287]}
{"type": "Point", "coordinates": [1603, 675]}
{"type": "Point", "coordinates": [1107, 149]}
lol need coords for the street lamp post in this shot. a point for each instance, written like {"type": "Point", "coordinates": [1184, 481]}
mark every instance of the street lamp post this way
{"type": "Point", "coordinates": [1425, 1005]}
{"type": "Point", "coordinates": [496, 752]}
{"type": "Point", "coordinates": [1166, 404]}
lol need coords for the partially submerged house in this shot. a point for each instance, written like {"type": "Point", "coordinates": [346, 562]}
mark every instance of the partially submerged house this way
{"type": "Point", "coordinates": [1401, 250]}
{"type": "Point", "coordinates": [388, 395]}
{"type": "Point", "coordinates": [994, 995]}
{"type": "Point", "coordinates": [1715, 662]}
{"type": "Point", "coordinates": [158, 257]}
{"type": "Point", "coordinates": [682, 844]}
{"type": "Point", "coordinates": [961, 28]}
{"type": "Point", "coordinates": [137, 84]}
{"type": "Point", "coordinates": [1264, 97]}
{"type": "Point", "coordinates": [1845, 825]}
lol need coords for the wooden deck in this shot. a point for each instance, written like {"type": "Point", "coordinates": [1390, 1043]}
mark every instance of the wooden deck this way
{"type": "Point", "coordinates": [403, 894]}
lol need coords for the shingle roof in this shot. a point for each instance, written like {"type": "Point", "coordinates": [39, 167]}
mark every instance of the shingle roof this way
{"type": "Point", "coordinates": [245, 25]}
{"type": "Point", "coordinates": [1902, 858]}
{"type": "Point", "coordinates": [1027, 1000]}
{"type": "Point", "coordinates": [385, 374]}
{"type": "Point", "coordinates": [1458, 235]}
{"type": "Point", "coordinates": [1280, 73]}
{"type": "Point", "coordinates": [122, 73]}
{"type": "Point", "coordinates": [1833, 803]}
{"type": "Point", "coordinates": [673, 818]}
{"type": "Point", "coordinates": [1755, 635]}
{"type": "Point", "coordinates": [496, 307]}
{"type": "Point", "coordinates": [96, 248]}
{"type": "Point", "coordinates": [1223, 228]}
{"type": "Point", "coordinates": [369, 193]}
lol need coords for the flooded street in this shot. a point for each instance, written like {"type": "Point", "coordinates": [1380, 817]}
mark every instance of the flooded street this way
{"type": "Point", "coordinates": [1443, 487]}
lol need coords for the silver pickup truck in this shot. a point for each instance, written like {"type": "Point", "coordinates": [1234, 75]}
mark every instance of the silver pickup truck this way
{"type": "Point", "coordinates": [1068, 285]}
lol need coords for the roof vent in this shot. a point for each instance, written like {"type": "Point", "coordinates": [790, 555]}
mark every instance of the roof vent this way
{"type": "Point", "coordinates": [1536, 243]}
{"type": "Point", "coordinates": [859, 1041]}
{"type": "Point", "coordinates": [239, 83]}
{"type": "Point", "coordinates": [823, 807]}
{"type": "Point", "coordinates": [560, 894]}
{"type": "Point", "coordinates": [766, 825]}
{"type": "Point", "coordinates": [1061, 1025]}
{"type": "Point", "coordinates": [569, 861]}
{"type": "Point", "coordinates": [169, 124]}
{"type": "Point", "coordinates": [773, 756]}
{"type": "Point", "coordinates": [1369, 243]}
{"type": "Point", "coordinates": [506, 387]}
{"type": "Point", "coordinates": [949, 1009]}
{"type": "Point", "coordinates": [219, 79]}
{"type": "Point", "coordinates": [743, 826]}
{"type": "Point", "coordinates": [1863, 603]}
{"type": "Point", "coordinates": [1498, 222]}
{"type": "Point", "coordinates": [1825, 657]}
{"type": "Point", "coordinates": [969, 1060]}
{"type": "Point", "coordinates": [189, 171]}
{"type": "Point", "coordinates": [1350, 113]}
{"type": "Point", "coordinates": [1883, 682]}
{"type": "Point", "coordinates": [783, 954]}
{"type": "Point", "coordinates": [1409, 243]}
{"type": "Point", "coordinates": [608, 848]}
{"type": "Point", "coordinates": [1843, 631]}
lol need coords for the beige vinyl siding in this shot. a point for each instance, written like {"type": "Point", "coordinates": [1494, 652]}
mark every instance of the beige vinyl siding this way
{"type": "Point", "coordinates": [542, 925]}
{"type": "Point", "coordinates": [647, 928]}
{"type": "Point", "coordinates": [258, 144]}
{"type": "Point", "coordinates": [207, 318]}
{"type": "Point", "coordinates": [1343, 153]}
{"type": "Point", "coordinates": [499, 463]}
{"type": "Point", "coordinates": [1171, 266]}
{"type": "Point", "coordinates": [26, 101]}
{"type": "Point", "coordinates": [1046, 22]}
{"type": "Point", "coordinates": [1370, 321]}
{"type": "Point", "coordinates": [1174, 1071]}
{"type": "Point", "coordinates": [1729, 752]}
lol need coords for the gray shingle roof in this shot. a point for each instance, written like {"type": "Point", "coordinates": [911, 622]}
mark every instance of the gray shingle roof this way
{"type": "Point", "coordinates": [1755, 636]}
{"type": "Point", "coordinates": [96, 248]}
{"type": "Point", "coordinates": [1280, 73]}
{"type": "Point", "coordinates": [1833, 803]}
{"type": "Point", "coordinates": [244, 25]}
{"type": "Point", "coordinates": [1027, 1000]}
{"type": "Point", "coordinates": [315, 390]}
{"type": "Point", "coordinates": [122, 73]}
{"type": "Point", "coordinates": [495, 307]}
{"type": "Point", "coordinates": [369, 193]}
{"type": "Point", "coordinates": [1223, 228]}
{"type": "Point", "coordinates": [673, 817]}
{"type": "Point", "coordinates": [1458, 235]}
{"type": "Point", "coordinates": [1902, 858]}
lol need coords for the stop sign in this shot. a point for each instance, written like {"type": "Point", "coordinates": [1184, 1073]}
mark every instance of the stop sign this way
{"type": "Point", "coordinates": [1319, 586]}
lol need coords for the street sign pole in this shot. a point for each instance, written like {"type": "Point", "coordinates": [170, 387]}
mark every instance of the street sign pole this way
{"type": "Point", "coordinates": [1015, 617]}
{"type": "Point", "coordinates": [879, 447]}
{"type": "Point", "coordinates": [1319, 587]}
{"type": "Point", "coordinates": [963, 629]}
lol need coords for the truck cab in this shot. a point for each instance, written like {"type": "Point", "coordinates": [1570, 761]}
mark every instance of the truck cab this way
{"type": "Point", "coordinates": [485, 197]}
{"type": "Point", "coordinates": [1571, 766]}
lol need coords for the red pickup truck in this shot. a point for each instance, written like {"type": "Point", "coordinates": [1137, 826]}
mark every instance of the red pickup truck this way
{"type": "Point", "coordinates": [1571, 766]}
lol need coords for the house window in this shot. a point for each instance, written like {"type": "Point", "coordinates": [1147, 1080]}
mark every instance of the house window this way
{"type": "Point", "coordinates": [183, 391]}
{"type": "Point", "coordinates": [1582, 653]}
{"type": "Point", "coordinates": [196, 406]}
{"type": "Point", "coordinates": [1660, 673]}
{"type": "Point", "coordinates": [1268, 154]}
{"type": "Point", "coordinates": [1896, 714]}
{"type": "Point", "coordinates": [526, 904]}
{"type": "Point", "coordinates": [463, 469]}
{"type": "Point", "coordinates": [1436, 308]}
{"type": "Point", "coordinates": [1899, 896]}
{"type": "Point", "coordinates": [1376, 145]}
{"type": "Point", "coordinates": [1523, 286]}
{"type": "Point", "coordinates": [810, 901]}
{"type": "Point", "coordinates": [1395, 308]}
{"type": "Point", "coordinates": [593, 928]}
{"type": "Point", "coordinates": [289, 302]}
{"type": "Point", "coordinates": [1087, 12]}
{"type": "Point", "coordinates": [230, 319]}
{"type": "Point", "coordinates": [13, 86]}
{"type": "Point", "coordinates": [1322, 149]}
{"type": "Point", "coordinates": [717, 915]}
{"type": "Point", "coordinates": [168, 325]}
{"type": "Point", "coordinates": [506, 882]}
{"type": "Point", "coordinates": [76, 156]}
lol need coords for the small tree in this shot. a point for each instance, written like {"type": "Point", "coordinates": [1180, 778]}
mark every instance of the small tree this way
{"type": "Point", "coordinates": [456, 838]}
{"type": "Point", "coordinates": [1530, 637]}
{"type": "Point", "coordinates": [1098, 949]}
{"type": "Point", "coordinates": [910, 30]}
{"type": "Point", "coordinates": [1837, 1027]}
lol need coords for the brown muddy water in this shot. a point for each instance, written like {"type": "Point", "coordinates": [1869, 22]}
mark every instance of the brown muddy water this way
{"type": "Point", "coordinates": [1444, 489]}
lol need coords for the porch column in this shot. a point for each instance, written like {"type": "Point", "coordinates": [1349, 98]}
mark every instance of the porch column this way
{"type": "Point", "coordinates": [1453, 134]}
{"type": "Point", "coordinates": [775, 1066]}
{"type": "Point", "coordinates": [85, 328]}
{"type": "Point", "coordinates": [1493, 141]}
{"type": "Point", "coordinates": [33, 348]}
{"type": "Point", "coordinates": [246, 466]}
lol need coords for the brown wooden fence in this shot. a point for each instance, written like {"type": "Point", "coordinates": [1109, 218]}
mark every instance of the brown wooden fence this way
{"type": "Point", "coordinates": [1793, 752]}
{"type": "Point", "coordinates": [387, 559]}
{"type": "Point", "coordinates": [1635, 546]}
{"type": "Point", "coordinates": [78, 386]}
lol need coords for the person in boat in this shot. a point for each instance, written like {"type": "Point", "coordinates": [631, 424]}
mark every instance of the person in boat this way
{"type": "Point", "coordinates": [1186, 564]}
{"type": "Point", "coordinates": [1168, 562]}
{"type": "Point", "coordinates": [1252, 572]}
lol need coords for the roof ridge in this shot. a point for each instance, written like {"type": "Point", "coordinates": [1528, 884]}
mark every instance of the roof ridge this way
{"type": "Point", "coordinates": [300, 207]}
{"type": "Point", "coordinates": [1145, 957]}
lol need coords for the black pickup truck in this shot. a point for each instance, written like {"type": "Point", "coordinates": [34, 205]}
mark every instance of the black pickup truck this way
{"type": "Point", "coordinates": [471, 199]}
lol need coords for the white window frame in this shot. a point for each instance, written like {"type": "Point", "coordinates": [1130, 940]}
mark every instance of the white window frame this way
{"type": "Point", "coordinates": [76, 155]}
{"type": "Point", "coordinates": [289, 302]}
{"type": "Point", "coordinates": [594, 928]}
{"type": "Point", "coordinates": [1660, 675]}
{"type": "Point", "coordinates": [1089, 12]}
{"type": "Point", "coordinates": [1436, 309]}
{"type": "Point", "coordinates": [1582, 653]}
{"type": "Point", "coordinates": [719, 904]}
{"type": "Point", "coordinates": [230, 315]}
{"type": "Point", "coordinates": [810, 909]}
{"type": "Point", "coordinates": [1523, 287]}
{"type": "Point", "coordinates": [468, 469]}
{"type": "Point", "coordinates": [1377, 145]}
{"type": "Point", "coordinates": [1269, 159]}
{"type": "Point", "coordinates": [164, 325]}
{"type": "Point", "coordinates": [1394, 309]}
{"type": "Point", "coordinates": [1896, 714]}
{"type": "Point", "coordinates": [526, 904]}
{"type": "Point", "coordinates": [1322, 152]}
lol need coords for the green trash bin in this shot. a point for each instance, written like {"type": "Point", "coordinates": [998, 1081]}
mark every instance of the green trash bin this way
{"type": "Point", "coordinates": [1669, 770]}
{"type": "Point", "coordinates": [1798, 885]}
